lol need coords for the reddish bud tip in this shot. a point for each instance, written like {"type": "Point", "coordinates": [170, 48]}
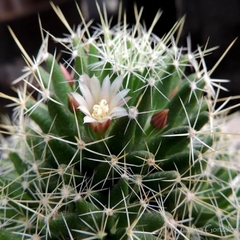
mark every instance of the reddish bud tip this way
{"type": "Point", "coordinates": [72, 103]}
{"type": "Point", "coordinates": [67, 75]}
{"type": "Point", "coordinates": [159, 120]}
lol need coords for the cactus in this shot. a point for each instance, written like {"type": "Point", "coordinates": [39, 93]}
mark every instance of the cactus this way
{"type": "Point", "coordinates": [118, 139]}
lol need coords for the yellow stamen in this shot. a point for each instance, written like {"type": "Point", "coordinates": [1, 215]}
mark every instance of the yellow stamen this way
{"type": "Point", "coordinates": [100, 110]}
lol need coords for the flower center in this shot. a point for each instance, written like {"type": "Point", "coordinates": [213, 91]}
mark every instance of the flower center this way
{"type": "Point", "coordinates": [100, 110]}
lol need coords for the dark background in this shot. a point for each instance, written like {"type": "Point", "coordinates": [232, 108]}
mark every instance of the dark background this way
{"type": "Point", "coordinates": [216, 20]}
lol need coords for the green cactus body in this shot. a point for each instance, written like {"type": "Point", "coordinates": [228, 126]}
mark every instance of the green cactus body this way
{"type": "Point", "coordinates": [119, 146]}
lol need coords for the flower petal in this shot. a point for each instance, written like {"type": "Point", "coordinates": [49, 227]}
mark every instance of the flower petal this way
{"type": "Point", "coordinates": [80, 100]}
{"type": "Point", "coordinates": [119, 112]}
{"type": "Point", "coordinates": [105, 90]}
{"type": "Point", "coordinates": [119, 99]}
{"type": "Point", "coordinates": [88, 119]}
{"type": "Point", "coordinates": [115, 86]}
{"type": "Point", "coordinates": [95, 89]}
{"type": "Point", "coordinates": [84, 79]}
{"type": "Point", "coordinates": [84, 110]}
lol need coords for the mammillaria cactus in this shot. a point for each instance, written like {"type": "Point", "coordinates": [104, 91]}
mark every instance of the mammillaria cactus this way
{"type": "Point", "coordinates": [119, 140]}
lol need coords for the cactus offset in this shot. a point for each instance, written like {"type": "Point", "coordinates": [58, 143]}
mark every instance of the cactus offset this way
{"type": "Point", "coordinates": [121, 142]}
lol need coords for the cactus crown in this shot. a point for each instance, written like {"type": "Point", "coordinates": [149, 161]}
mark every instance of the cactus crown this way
{"type": "Point", "coordinates": [118, 140]}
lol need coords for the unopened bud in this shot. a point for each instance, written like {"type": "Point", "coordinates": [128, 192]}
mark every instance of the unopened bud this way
{"type": "Point", "coordinates": [72, 103]}
{"type": "Point", "coordinates": [159, 120]}
{"type": "Point", "coordinates": [67, 75]}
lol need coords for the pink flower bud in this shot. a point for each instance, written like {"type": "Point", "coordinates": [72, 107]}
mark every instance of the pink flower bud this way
{"type": "Point", "coordinates": [72, 103]}
{"type": "Point", "coordinates": [159, 120]}
{"type": "Point", "coordinates": [67, 75]}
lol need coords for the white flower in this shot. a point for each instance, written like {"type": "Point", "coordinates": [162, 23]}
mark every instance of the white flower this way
{"type": "Point", "coordinates": [101, 102]}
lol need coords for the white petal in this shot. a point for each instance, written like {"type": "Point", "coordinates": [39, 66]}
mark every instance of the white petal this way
{"type": "Point", "coordinates": [119, 100]}
{"type": "Point", "coordinates": [84, 79]}
{"type": "Point", "coordinates": [116, 85]}
{"type": "Point", "coordinates": [105, 91]}
{"type": "Point", "coordinates": [84, 110]}
{"type": "Point", "coordinates": [87, 95]}
{"type": "Point", "coordinates": [88, 119]}
{"type": "Point", "coordinates": [95, 89]}
{"type": "Point", "coordinates": [124, 101]}
{"type": "Point", "coordinates": [79, 99]}
{"type": "Point", "coordinates": [119, 112]}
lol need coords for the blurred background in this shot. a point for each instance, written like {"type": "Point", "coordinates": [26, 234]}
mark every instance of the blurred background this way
{"type": "Point", "coordinates": [216, 20]}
